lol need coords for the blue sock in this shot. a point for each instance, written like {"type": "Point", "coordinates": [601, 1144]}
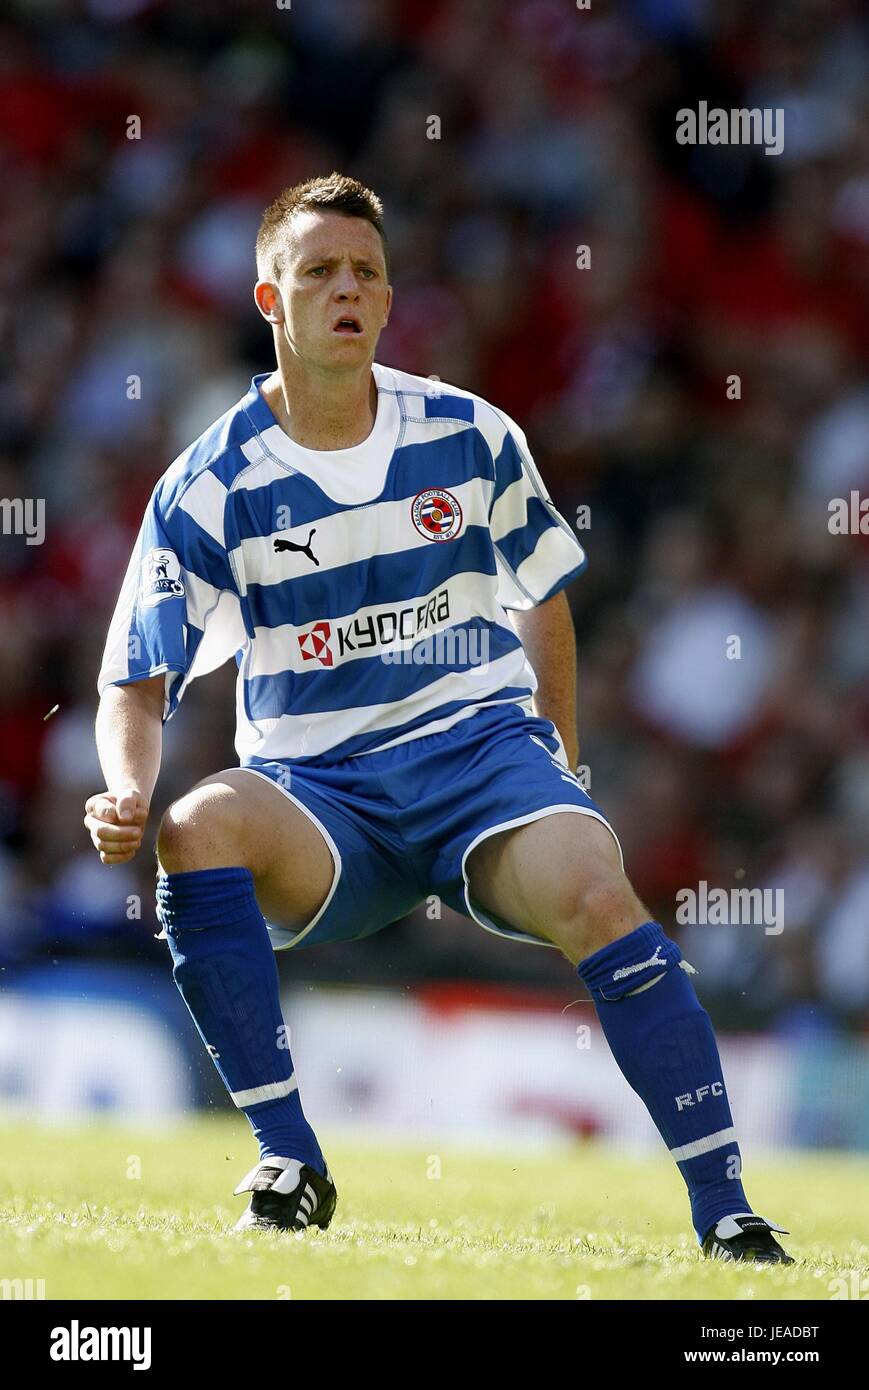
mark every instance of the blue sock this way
{"type": "Point", "coordinates": [662, 1040]}
{"type": "Point", "coordinates": [226, 972]}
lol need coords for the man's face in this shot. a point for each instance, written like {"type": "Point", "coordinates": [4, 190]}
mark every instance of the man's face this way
{"type": "Point", "coordinates": [333, 270]}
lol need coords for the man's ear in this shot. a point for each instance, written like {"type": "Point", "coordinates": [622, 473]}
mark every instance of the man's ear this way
{"type": "Point", "coordinates": [268, 300]}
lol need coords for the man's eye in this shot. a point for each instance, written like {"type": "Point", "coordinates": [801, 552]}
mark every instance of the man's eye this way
{"type": "Point", "coordinates": [367, 272]}
{"type": "Point", "coordinates": [317, 268]}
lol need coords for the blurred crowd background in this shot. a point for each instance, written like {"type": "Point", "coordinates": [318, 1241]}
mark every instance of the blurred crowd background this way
{"type": "Point", "coordinates": [708, 514]}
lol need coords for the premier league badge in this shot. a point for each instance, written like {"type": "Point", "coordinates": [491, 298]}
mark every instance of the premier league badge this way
{"type": "Point", "coordinates": [161, 577]}
{"type": "Point", "coordinates": [436, 514]}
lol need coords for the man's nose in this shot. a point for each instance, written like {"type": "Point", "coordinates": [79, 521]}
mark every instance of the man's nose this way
{"type": "Point", "coordinates": [345, 283]}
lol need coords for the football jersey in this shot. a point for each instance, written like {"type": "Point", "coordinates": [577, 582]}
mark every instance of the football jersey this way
{"type": "Point", "coordinates": [362, 591]}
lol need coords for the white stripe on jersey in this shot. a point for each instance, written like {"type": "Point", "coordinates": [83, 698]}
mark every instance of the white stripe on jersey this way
{"type": "Point", "coordinates": [224, 633]}
{"type": "Point", "coordinates": [346, 537]}
{"type": "Point", "coordinates": [313, 734]}
{"type": "Point", "coordinates": [205, 500]}
{"type": "Point", "coordinates": [555, 548]}
{"type": "Point", "coordinates": [438, 725]}
{"type": "Point", "coordinates": [262, 468]}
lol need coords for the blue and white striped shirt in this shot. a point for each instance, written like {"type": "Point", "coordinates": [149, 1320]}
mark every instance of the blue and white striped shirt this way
{"type": "Point", "coordinates": [362, 591]}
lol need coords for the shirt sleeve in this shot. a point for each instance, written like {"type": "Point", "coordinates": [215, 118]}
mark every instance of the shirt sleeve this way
{"type": "Point", "coordinates": [178, 612]}
{"type": "Point", "coordinates": [536, 551]}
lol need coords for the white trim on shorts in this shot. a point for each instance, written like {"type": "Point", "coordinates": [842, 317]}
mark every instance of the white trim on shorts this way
{"type": "Point", "coordinates": [276, 932]}
{"type": "Point", "coordinates": [486, 923]}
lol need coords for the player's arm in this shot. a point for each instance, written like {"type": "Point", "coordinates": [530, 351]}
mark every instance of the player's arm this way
{"type": "Point", "coordinates": [129, 735]}
{"type": "Point", "coordinates": [165, 613]}
{"type": "Point", "coordinates": [547, 634]}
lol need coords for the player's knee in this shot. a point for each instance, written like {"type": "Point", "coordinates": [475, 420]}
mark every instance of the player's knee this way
{"type": "Point", "coordinates": [200, 832]}
{"type": "Point", "coordinates": [178, 840]}
{"type": "Point", "coordinates": [595, 911]}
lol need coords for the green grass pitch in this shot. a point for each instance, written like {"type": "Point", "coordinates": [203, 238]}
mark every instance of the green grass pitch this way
{"type": "Point", "coordinates": [582, 1222]}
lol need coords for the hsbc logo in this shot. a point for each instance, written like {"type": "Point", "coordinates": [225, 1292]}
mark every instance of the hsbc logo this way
{"type": "Point", "coordinates": [327, 640]}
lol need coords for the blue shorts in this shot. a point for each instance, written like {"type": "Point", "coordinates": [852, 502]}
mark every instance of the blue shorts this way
{"type": "Point", "coordinates": [400, 823]}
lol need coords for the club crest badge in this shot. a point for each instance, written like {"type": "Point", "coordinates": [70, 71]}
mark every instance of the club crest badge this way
{"type": "Point", "coordinates": [161, 577]}
{"type": "Point", "coordinates": [436, 514]}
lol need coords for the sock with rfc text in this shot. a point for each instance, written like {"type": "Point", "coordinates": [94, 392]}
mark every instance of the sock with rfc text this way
{"type": "Point", "coordinates": [662, 1039]}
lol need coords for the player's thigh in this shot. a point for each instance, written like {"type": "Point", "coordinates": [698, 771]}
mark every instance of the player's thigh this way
{"type": "Point", "coordinates": [236, 818]}
{"type": "Point", "coordinates": [537, 876]}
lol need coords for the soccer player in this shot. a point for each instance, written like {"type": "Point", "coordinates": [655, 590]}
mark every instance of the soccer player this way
{"type": "Point", "coordinates": [356, 537]}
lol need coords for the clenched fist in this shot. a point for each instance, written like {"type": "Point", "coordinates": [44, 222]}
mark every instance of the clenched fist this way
{"type": "Point", "coordinates": [116, 824]}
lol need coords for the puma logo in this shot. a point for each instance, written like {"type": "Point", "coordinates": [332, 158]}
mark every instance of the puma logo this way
{"type": "Point", "coordinates": [306, 548]}
{"type": "Point", "coordinates": [634, 969]}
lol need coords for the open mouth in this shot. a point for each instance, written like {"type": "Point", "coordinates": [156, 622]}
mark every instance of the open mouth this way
{"type": "Point", "coordinates": [347, 324]}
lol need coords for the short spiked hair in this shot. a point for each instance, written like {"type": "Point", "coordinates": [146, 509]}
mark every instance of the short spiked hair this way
{"type": "Point", "coordinates": [330, 193]}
